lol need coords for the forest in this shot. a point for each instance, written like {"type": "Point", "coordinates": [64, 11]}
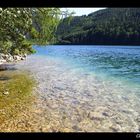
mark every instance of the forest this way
{"type": "Point", "coordinates": [110, 26]}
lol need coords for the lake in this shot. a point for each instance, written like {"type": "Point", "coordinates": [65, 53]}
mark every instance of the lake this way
{"type": "Point", "coordinates": [116, 62]}
{"type": "Point", "coordinates": [87, 88]}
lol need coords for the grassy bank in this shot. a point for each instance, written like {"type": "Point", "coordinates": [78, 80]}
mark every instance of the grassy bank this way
{"type": "Point", "coordinates": [15, 93]}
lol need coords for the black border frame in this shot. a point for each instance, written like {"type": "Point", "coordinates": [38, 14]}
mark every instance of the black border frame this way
{"type": "Point", "coordinates": [69, 136]}
{"type": "Point", "coordinates": [63, 4]}
{"type": "Point", "coordinates": [69, 3]}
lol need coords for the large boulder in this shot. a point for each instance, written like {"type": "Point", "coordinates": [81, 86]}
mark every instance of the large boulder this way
{"type": "Point", "coordinates": [7, 58]}
{"type": "Point", "coordinates": [22, 58]}
{"type": "Point", "coordinates": [17, 57]}
{"type": "Point", "coordinates": [25, 55]}
{"type": "Point", "coordinates": [1, 56]}
{"type": "Point", "coordinates": [2, 60]}
{"type": "Point", "coordinates": [10, 58]}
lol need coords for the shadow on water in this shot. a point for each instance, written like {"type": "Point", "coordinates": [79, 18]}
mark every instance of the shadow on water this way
{"type": "Point", "coordinates": [4, 78]}
{"type": "Point", "coordinates": [5, 67]}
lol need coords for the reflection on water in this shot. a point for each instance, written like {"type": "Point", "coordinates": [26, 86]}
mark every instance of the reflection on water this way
{"type": "Point", "coordinates": [85, 88]}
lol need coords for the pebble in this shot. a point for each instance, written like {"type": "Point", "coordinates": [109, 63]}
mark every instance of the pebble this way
{"type": "Point", "coordinates": [67, 130]}
{"type": "Point", "coordinates": [76, 128]}
{"type": "Point", "coordinates": [67, 108]}
{"type": "Point", "coordinates": [6, 93]}
{"type": "Point", "coordinates": [138, 119]}
{"type": "Point", "coordinates": [95, 116]}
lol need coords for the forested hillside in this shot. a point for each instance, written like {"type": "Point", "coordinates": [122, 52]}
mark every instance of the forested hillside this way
{"type": "Point", "coordinates": [111, 26]}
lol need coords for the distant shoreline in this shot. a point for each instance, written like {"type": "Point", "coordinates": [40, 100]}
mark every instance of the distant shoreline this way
{"type": "Point", "coordinates": [119, 45]}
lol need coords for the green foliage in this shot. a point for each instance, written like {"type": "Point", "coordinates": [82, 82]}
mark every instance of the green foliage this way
{"type": "Point", "coordinates": [5, 46]}
{"type": "Point", "coordinates": [108, 26]}
{"type": "Point", "coordinates": [19, 26]}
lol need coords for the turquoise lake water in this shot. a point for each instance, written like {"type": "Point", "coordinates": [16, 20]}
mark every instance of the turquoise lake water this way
{"type": "Point", "coordinates": [109, 62]}
{"type": "Point", "coordinates": [97, 88]}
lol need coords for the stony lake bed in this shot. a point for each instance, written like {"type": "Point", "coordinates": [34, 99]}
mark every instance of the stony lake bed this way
{"type": "Point", "coordinates": [69, 99]}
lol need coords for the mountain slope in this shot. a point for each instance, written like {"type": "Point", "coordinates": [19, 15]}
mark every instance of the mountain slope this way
{"type": "Point", "coordinates": [111, 26]}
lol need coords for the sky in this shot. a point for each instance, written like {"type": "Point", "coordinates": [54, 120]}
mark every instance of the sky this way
{"type": "Point", "coordinates": [82, 11]}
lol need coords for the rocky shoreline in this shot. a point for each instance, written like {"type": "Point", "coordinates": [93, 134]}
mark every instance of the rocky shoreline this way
{"type": "Point", "coordinates": [69, 100]}
{"type": "Point", "coordinates": [8, 59]}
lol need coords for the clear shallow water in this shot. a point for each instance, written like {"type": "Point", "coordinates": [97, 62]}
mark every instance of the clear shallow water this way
{"type": "Point", "coordinates": [111, 62]}
{"type": "Point", "coordinates": [85, 88]}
